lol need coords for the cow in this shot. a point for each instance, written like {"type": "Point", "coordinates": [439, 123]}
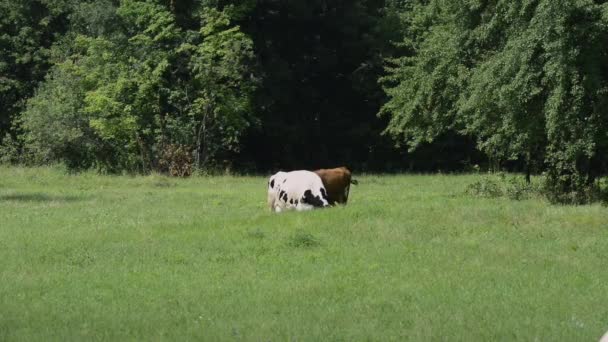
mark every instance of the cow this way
{"type": "Point", "coordinates": [337, 182]}
{"type": "Point", "coordinates": [299, 190]}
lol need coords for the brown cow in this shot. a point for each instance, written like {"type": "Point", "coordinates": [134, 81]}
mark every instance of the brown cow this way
{"type": "Point", "coordinates": [337, 183]}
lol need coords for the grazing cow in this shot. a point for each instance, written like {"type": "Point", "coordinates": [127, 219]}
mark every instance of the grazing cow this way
{"type": "Point", "coordinates": [299, 190]}
{"type": "Point", "coordinates": [337, 183]}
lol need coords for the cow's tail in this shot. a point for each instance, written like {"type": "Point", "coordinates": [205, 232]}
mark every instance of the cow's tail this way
{"type": "Point", "coordinates": [354, 181]}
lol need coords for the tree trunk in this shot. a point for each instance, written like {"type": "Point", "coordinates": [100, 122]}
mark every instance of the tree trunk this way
{"type": "Point", "coordinates": [199, 144]}
{"type": "Point", "coordinates": [528, 168]}
{"type": "Point", "coordinates": [202, 146]}
{"type": "Point", "coordinates": [142, 153]}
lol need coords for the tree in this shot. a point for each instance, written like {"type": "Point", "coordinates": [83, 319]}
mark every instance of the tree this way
{"type": "Point", "coordinates": [522, 77]}
{"type": "Point", "coordinates": [222, 87]}
{"type": "Point", "coordinates": [27, 31]}
{"type": "Point", "coordinates": [145, 85]}
{"type": "Point", "coordinates": [56, 128]}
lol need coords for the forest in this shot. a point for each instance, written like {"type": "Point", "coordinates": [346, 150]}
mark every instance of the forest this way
{"type": "Point", "coordinates": [179, 86]}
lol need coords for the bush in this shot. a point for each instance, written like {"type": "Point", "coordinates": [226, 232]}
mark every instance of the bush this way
{"type": "Point", "coordinates": [577, 192]}
{"type": "Point", "coordinates": [499, 185]}
{"type": "Point", "coordinates": [518, 188]}
{"type": "Point", "coordinates": [55, 127]}
{"type": "Point", "coordinates": [486, 187]}
{"type": "Point", "coordinates": [176, 160]}
{"type": "Point", "coordinates": [9, 150]}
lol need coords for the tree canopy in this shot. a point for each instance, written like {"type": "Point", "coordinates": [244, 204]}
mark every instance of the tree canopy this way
{"type": "Point", "coordinates": [525, 79]}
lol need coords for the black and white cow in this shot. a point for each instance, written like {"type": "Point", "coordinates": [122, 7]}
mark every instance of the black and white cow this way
{"type": "Point", "coordinates": [299, 190]}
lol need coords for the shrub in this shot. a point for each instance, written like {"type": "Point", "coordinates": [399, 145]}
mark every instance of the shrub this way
{"type": "Point", "coordinates": [518, 188]}
{"type": "Point", "coordinates": [9, 150]}
{"type": "Point", "coordinates": [498, 185]}
{"type": "Point", "coordinates": [176, 160]}
{"type": "Point", "coordinates": [564, 192]}
{"type": "Point", "coordinates": [486, 187]}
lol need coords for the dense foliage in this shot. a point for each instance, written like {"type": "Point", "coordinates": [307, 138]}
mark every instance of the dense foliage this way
{"type": "Point", "coordinates": [28, 29]}
{"type": "Point", "coordinates": [119, 100]}
{"type": "Point", "coordinates": [526, 79]}
{"type": "Point", "coordinates": [246, 84]}
{"type": "Point", "coordinates": [175, 86]}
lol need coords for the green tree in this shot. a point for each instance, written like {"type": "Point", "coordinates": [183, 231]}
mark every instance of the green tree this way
{"type": "Point", "coordinates": [524, 78]}
{"type": "Point", "coordinates": [223, 83]}
{"type": "Point", "coordinates": [144, 84]}
{"type": "Point", "coordinates": [28, 29]}
{"type": "Point", "coordinates": [56, 128]}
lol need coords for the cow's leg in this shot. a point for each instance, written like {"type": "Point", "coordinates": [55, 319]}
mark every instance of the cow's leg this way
{"type": "Point", "coordinates": [291, 204]}
{"type": "Point", "coordinates": [299, 205]}
{"type": "Point", "coordinates": [304, 207]}
{"type": "Point", "coordinates": [271, 201]}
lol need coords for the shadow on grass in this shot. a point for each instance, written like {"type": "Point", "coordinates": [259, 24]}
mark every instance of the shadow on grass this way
{"type": "Point", "coordinates": [40, 197]}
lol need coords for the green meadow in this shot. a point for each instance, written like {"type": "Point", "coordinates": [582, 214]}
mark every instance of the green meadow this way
{"type": "Point", "coordinates": [411, 257]}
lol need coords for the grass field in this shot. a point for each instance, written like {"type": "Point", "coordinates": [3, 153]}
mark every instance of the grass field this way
{"type": "Point", "coordinates": [90, 257]}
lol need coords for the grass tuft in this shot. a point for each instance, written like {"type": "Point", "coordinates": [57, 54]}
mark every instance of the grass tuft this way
{"type": "Point", "coordinates": [303, 240]}
{"type": "Point", "coordinates": [256, 234]}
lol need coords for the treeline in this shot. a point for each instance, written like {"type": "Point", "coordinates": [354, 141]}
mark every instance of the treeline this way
{"type": "Point", "coordinates": [154, 85]}
{"type": "Point", "coordinates": [379, 85]}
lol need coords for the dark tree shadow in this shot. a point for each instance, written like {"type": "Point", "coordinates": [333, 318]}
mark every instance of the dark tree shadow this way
{"type": "Point", "coordinates": [40, 197]}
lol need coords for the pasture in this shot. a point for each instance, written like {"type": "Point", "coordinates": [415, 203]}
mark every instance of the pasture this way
{"type": "Point", "coordinates": [412, 257]}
